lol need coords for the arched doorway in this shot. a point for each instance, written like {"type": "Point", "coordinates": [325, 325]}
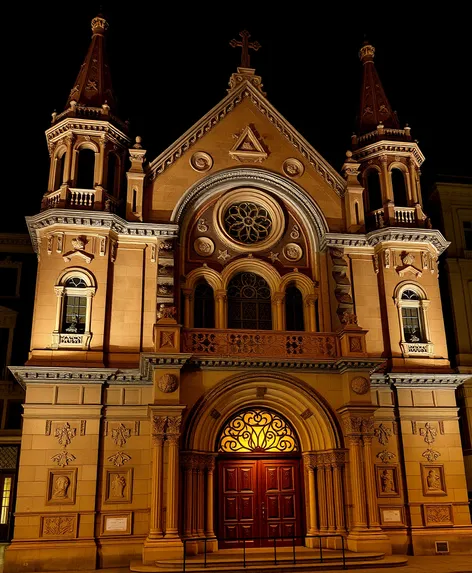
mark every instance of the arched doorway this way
{"type": "Point", "coordinates": [258, 481]}
{"type": "Point", "coordinates": [318, 435]}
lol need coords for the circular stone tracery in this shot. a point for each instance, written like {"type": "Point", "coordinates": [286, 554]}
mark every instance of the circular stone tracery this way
{"type": "Point", "coordinates": [247, 222]}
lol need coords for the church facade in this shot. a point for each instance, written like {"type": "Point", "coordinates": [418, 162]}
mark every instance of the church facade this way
{"type": "Point", "coordinates": [232, 342]}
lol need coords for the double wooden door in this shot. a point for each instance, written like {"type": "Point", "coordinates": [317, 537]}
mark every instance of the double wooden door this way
{"type": "Point", "coordinates": [258, 499]}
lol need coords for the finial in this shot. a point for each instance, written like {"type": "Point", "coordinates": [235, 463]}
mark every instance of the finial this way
{"type": "Point", "coordinates": [349, 156]}
{"type": "Point", "coordinates": [138, 145]}
{"type": "Point", "coordinates": [54, 115]}
{"type": "Point", "coordinates": [99, 25]}
{"type": "Point", "coordinates": [245, 46]}
{"type": "Point", "coordinates": [366, 53]}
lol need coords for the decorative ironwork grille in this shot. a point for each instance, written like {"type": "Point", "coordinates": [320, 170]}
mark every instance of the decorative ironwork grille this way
{"type": "Point", "coordinates": [258, 430]}
{"type": "Point", "coordinates": [249, 304]}
{"type": "Point", "coordinates": [8, 457]}
{"type": "Point", "coordinates": [247, 222]}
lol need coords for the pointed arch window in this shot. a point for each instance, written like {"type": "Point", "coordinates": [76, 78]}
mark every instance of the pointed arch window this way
{"type": "Point", "coordinates": [258, 430]}
{"type": "Point", "coordinates": [294, 319]}
{"type": "Point", "coordinates": [74, 292]}
{"type": "Point", "coordinates": [204, 306]}
{"type": "Point", "coordinates": [249, 302]}
{"type": "Point", "coordinates": [412, 308]}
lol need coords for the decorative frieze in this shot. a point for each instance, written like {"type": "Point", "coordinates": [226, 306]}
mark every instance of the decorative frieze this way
{"type": "Point", "coordinates": [120, 435]}
{"type": "Point", "coordinates": [63, 458]}
{"type": "Point", "coordinates": [65, 434]}
{"type": "Point", "coordinates": [119, 459]}
{"type": "Point", "coordinates": [382, 433]}
{"type": "Point", "coordinates": [385, 456]}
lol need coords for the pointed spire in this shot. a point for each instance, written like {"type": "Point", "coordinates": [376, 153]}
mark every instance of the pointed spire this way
{"type": "Point", "coordinates": [375, 108]}
{"type": "Point", "coordinates": [93, 88]}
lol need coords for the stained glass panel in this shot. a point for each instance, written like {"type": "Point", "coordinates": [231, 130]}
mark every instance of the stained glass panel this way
{"type": "Point", "coordinates": [258, 430]}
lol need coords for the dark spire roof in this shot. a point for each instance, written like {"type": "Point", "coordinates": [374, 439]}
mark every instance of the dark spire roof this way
{"type": "Point", "coordinates": [375, 108]}
{"type": "Point", "coordinates": [93, 88]}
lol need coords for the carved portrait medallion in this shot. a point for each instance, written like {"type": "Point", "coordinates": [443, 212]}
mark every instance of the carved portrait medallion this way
{"type": "Point", "coordinates": [168, 383]}
{"type": "Point", "coordinates": [201, 161]}
{"type": "Point", "coordinates": [360, 385]}
{"type": "Point", "coordinates": [292, 167]}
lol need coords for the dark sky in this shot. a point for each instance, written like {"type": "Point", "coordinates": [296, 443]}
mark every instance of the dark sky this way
{"type": "Point", "coordinates": [170, 65]}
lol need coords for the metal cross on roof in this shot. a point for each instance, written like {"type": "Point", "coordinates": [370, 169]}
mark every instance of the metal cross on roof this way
{"type": "Point", "coordinates": [246, 45]}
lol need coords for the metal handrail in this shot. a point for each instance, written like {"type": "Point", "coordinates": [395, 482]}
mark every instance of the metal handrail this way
{"type": "Point", "coordinates": [274, 538]}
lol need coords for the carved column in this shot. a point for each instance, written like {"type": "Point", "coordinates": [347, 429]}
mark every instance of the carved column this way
{"type": "Point", "coordinates": [158, 424]}
{"type": "Point", "coordinates": [220, 309]}
{"type": "Point", "coordinates": [322, 497]}
{"type": "Point", "coordinates": [387, 194]}
{"type": "Point", "coordinates": [278, 310]}
{"type": "Point", "coordinates": [310, 313]}
{"type": "Point", "coordinates": [330, 497]}
{"type": "Point", "coordinates": [412, 173]}
{"type": "Point", "coordinates": [337, 467]}
{"type": "Point", "coordinates": [100, 163]}
{"type": "Point", "coordinates": [66, 175]}
{"type": "Point", "coordinates": [172, 438]}
{"type": "Point", "coordinates": [310, 472]}
{"type": "Point", "coordinates": [353, 429]}
{"type": "Point", "coordinates": [368, 429]}
{"type": "Point", "coordinates": [187, 463]}
{"type": "Point", "coordinates": [210, 493]}
{"type": "Point", "coordinates": [201, 497]}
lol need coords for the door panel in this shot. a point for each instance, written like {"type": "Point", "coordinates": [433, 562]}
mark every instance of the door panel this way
{"type": "Point", "coordinates": [258, 498]}
{"type": "Point", "coordinates": [278, 489]}
{"type": "Point", "coordinates": [237, 502]}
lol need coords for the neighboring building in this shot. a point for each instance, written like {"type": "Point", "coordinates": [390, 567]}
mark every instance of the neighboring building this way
{"type": "Point", "coordinates": [453, 201]}
{"type": "Point", "coordinates": [239, 343]}
{"type": "Point", "coordinates": [17, 280]}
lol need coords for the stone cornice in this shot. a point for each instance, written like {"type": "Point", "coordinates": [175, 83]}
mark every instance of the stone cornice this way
{"type": "Point", "coordinates": [15, 242]}
{"type": "Point", "coordinates": [150, 361]}
{"type": "Point", "coordinates": [388, 234]}
{"type": "Point", "coordinates": [233, 363]}
{"type": "Point", "coordinates": [86, 126]}
{"type": "Point", "coordinates": [419, 380]}
{"type": "Point", "coordinates": [226, 105]}
{"type": "Point", "coordinates": [98, 220]}
{"type": "Point", "coordinates": [386, 147]}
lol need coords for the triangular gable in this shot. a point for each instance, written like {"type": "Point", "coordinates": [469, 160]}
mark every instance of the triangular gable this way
{"type": "Point", "coordinates": [248, 148]}
{"type": "Point", "coordinates": [235, 96]}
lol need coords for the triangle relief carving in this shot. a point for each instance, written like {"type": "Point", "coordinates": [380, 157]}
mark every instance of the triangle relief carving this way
{"type": "Point", "coordinates": [248, 148]}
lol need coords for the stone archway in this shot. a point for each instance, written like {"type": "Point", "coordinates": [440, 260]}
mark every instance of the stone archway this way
{"type": "Point", "coordinates": [320, 439]}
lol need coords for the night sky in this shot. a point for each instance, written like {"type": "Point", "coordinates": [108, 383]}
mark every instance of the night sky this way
{"type": "Point", "coordinates": [170, 65]}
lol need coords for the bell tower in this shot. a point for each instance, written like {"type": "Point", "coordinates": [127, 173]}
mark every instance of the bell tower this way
{"type": "Point", "coordinates": [87, 142]}
{"type": "Point", "coordinates": [389, 160]}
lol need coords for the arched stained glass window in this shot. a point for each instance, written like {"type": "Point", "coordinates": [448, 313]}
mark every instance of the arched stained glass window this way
{"type": "Point", "coordinates": [249, 304]}
{"type": "Point", "coordinates": [258, 430]}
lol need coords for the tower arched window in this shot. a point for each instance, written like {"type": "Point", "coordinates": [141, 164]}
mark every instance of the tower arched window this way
{"type": "Point", "coordinates": [374, 191]}
{"type": "Point", "coordinates": [294, 309]}
{"type": "Point", "coordinates": [74, 307]}
{"type": "Point", "coordinates": [204, 306]}
{"type": "Point", "coordinates": [249, 302]}
{"type": "Point", "coordinates": [412, 313]}
{"type": "Point", "coordinates": [86, 169]}
{"type": "Point", "coordinates": [112, 175]}
{"type": "Point", "coordinates": [59, 169]}
{"type": "Point", "coordinates": [400, 195]}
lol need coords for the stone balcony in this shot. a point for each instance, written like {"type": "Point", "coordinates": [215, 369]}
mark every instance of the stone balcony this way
{"type": "Point", "coordinates": [261, 344]}
{"type": "Point", "coordinates": [393, 216]}
{"type": "Point", "coordinates": [73, 198]}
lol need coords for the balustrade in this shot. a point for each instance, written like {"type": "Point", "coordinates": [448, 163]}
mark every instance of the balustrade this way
{"type": "Point", "coordinates": [81, 197]}
{"type": "Point", "coordinates": [254, 343]}
{"type": "Point", "coordinates": [405, 216]}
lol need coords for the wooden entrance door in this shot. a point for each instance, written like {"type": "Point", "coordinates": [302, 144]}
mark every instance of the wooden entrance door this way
{"type": "Point", "coordinates": [257, 499]}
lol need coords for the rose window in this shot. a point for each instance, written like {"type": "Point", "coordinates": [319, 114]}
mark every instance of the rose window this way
{"type": "Point", "coordinates": [247, 222]}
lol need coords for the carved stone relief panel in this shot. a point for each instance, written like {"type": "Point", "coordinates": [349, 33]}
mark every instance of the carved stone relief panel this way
{"type": "Point", "coordinates": [433, 479]}
{"type": "Point", "coordinates": [63, 526]}
{"type": "Point", "coordinates": [118, 485]}
{"type": "Point", "coordinates": [61, 486]}
{"type": "Point", "coordinates": [388, 483]}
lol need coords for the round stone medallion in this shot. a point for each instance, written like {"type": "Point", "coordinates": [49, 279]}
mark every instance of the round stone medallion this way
{"type": "Point", "coordinates": [168, 383]}
{"type": "Point", "coordinates": [292, 167]}
{"type": "Point", "coordinates": [293, 252]}
{"type": "Point", "coordinates": [204, 246]}
{"type": "Point", "coordinates": [360, 385]}
{"type": "Point", "coordinates": [201, 161]}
